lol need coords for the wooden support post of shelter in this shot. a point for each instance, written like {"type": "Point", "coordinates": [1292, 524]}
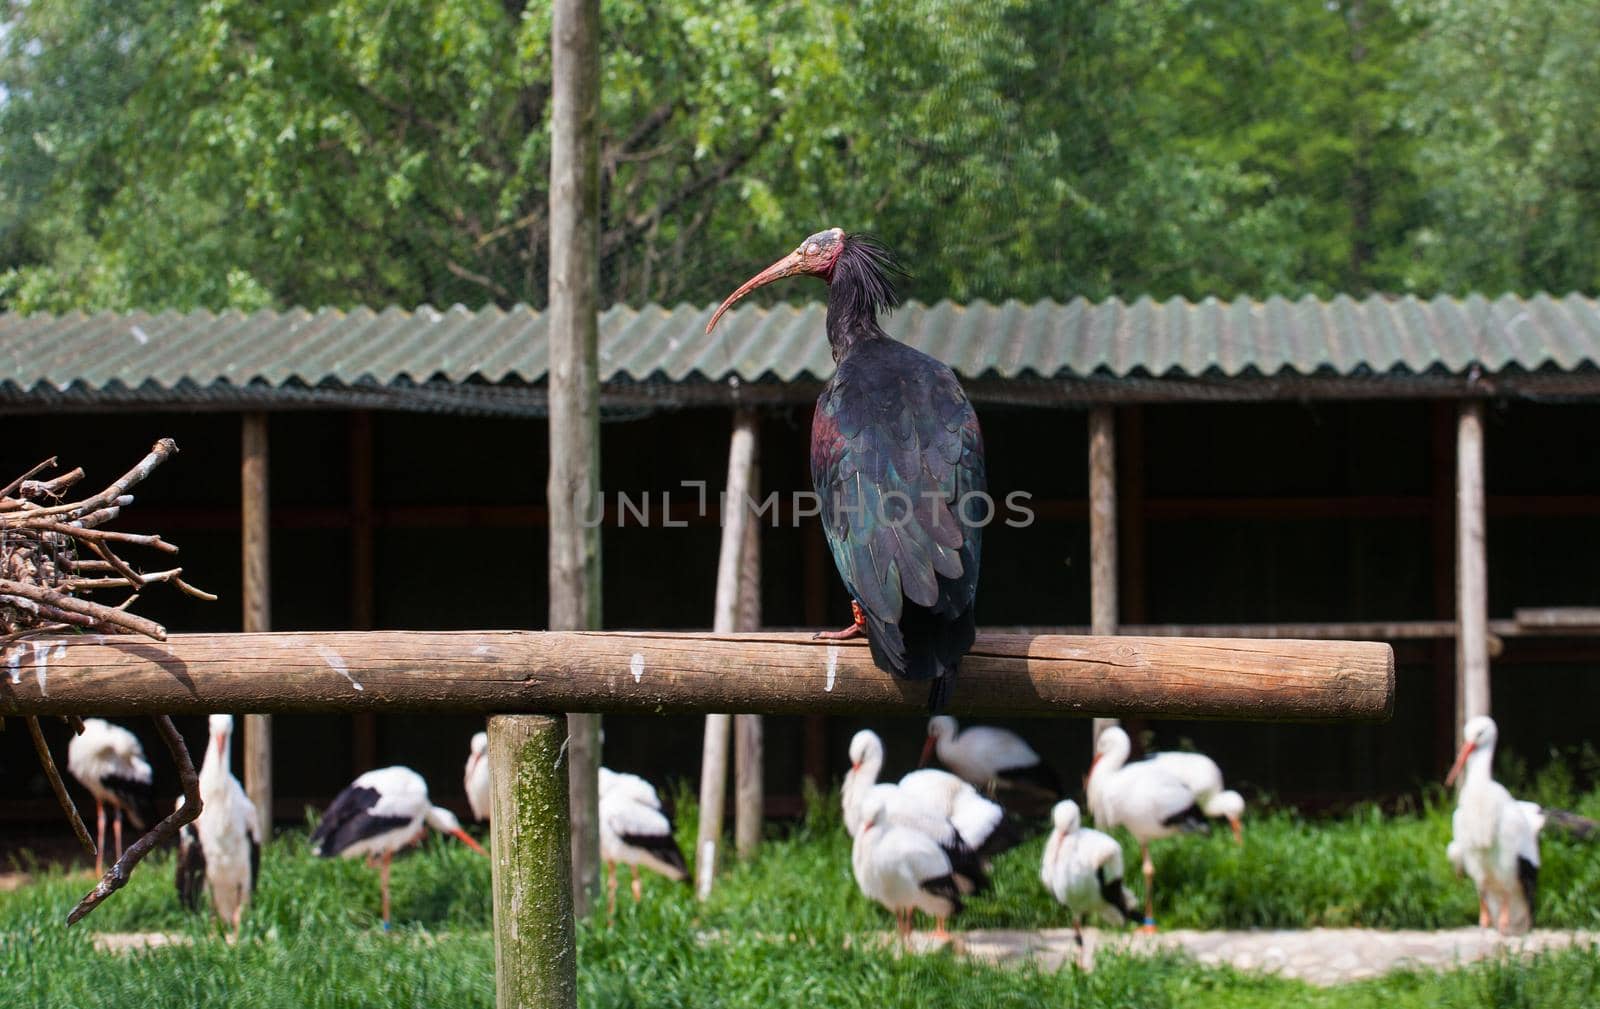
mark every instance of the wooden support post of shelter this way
{"type": "Point", "coordinates": [1102, 531]}
{"type": "Point", "coordinates": [714, 751]}
{"type": "Point", "coordinates": [574, 383]}
{"type": "Point", "coordinates": [749, 797]}
{"type": "Point", "coordinates": [255, 534]}
{"type": "Point", "coordinates": [1472, 576]}
{"type": "Point", "coordinates": [363, 573]}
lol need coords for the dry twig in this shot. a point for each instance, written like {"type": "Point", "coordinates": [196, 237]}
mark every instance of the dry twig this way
{"type": "Point", "coordinates": [43, 749]}
{"type": "Point", "coordinates": [41, 592]}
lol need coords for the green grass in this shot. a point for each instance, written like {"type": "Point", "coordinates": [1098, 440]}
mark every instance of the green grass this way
{"type": "Point", "coordinates": [776, 931]}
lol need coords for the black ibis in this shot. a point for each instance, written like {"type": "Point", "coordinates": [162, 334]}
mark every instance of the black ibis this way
{"type": "Point", "coordinates": [897, 463]}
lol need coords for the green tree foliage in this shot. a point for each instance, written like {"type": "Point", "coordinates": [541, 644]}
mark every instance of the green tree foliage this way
{"type": "Point", "coordinates": [339, 152]}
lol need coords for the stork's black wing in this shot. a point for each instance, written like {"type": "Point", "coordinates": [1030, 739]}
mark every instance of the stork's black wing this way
{"type": "Point", "coordinates": [350, 819]}
{"type": "Point", "coordinates": [191, 867]}
{"type": "Point", "coordinates": [897, 460]}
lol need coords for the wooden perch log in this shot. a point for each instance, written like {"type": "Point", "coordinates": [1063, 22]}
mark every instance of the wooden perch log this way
{"type": "Point", "coordinates": [768, 673]}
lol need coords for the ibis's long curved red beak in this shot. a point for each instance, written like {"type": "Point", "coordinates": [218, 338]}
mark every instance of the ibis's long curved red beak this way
{"type": "Point", "coordinates": [788, 266]}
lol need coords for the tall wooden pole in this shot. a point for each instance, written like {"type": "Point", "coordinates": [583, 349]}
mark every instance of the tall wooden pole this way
{"type": "Point", "coordinates": [1472, 569]}
{"type": "Point", "coordinates": [535, 948]}
{"type": "Point", "coordinates": [749, 797]}
{"type": "Point", "coordinates": [714, 751]}
{"type": "Point", "coordinates": [575, 389]}
{"type": "Point", "coordinates": [1102, 530]}
{"type": "Point", "coordinates": [255, 524]}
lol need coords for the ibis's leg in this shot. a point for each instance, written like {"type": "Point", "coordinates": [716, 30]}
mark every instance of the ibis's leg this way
{"type": "Point", "coordinates": [1238, 829]}
{"type": "Point", "coordinates": [1149, 889]}
{"type": "Point", "coordinates": [99, 838]}
{"type": "Point", "coordinates": [638, 893]}
{"type": "Point", "coordinates": [611, 889]}
{"type": "Point", "coordinates": [383, 875]}
{"type": "Point", "coordinates": [855, 630]}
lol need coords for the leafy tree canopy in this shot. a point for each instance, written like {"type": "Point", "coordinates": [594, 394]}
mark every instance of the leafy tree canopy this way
{"type": "Point", "coordinates": [340, 152]}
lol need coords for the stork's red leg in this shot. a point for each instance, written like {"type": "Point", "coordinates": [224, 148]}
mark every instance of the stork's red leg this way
{"type": "Point", "coordinates": [855, 630]}
{"type": "Point", "coordinates": [99, 838]}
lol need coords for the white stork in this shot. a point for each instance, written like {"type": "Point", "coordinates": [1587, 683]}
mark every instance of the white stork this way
{"type": "Point", "coordinates": [997, 761]}
{"type": "Point", "coordinates": [222, 847]}
{"type": "Point", "coordinates": [1495, 842]}
{"type": "Point", "coordinates": [476, 779]}
{"type": "Point", "coordinates": [1142, 797]}
{"type": "Point", "coordinates": [1082, 868]}
{"type": "Point", "coordinates": [635, 831]}
{"type": "Point", "coordinates": [866, 761]}
{"type": "Point", "coordinates": [981, 822]}
{"type": "Point", "coordinates": [380, 813]}
{"type": "Point", "coordinates": [901, 868]}
{"type": "Point", "coordinates": [108, 760]}
{"type": "Point", "coordinates": [1204, 779]}
{"type": "Point", "coordinates": [902, 808]}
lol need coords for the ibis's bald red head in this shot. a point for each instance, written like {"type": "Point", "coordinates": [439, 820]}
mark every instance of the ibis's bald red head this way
{"type": "Point", "coordinates": [815, 256]}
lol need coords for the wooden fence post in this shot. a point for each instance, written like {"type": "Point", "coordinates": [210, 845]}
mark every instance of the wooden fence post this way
{"type": "Point", "coordinates": [574, 484]}
{"type": "Point", "coordinates": [255, 533]}
{"type": "Point", "coordinates": [749, 795]}
{"type": "Point", "coordinates": [714, 750]}
{"type": "Point", "coordinates": [535, 946]}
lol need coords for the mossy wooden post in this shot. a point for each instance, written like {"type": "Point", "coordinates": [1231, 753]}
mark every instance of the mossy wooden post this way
{"type": "Point", "coordinates": [535, 948]}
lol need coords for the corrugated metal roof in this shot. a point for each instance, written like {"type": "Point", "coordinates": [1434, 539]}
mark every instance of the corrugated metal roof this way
{"type": "Point", "coordinates": [400, 358]}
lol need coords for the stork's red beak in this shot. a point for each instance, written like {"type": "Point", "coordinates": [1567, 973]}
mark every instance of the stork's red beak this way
{"type": "Point", "coordinates": [467, 840]}
{"type": "Point", "coordinates": [927, 751]}
{"type": "Point", "coordinates": [1461, 761]}
{"type": "Point", "coordinates": [788, 266]}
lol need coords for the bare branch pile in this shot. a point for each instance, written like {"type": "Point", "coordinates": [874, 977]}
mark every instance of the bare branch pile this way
{"type": "Point", "coordinates": [52, 554]}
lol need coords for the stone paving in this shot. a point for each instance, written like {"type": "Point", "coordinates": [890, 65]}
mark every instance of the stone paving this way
{"type": "Point", "coordinates": [1320, 956]}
